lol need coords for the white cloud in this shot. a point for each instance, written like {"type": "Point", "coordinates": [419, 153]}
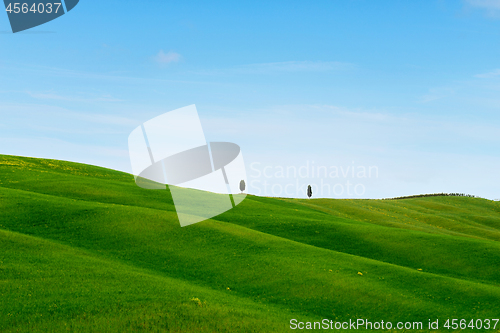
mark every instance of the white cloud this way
{"type": "Point", "coordinates": [55, 116]}
{"type": "Point", "coordinates": [494, 73]}
{"type": "Point", "coordinates": [297, 66]}
{"type": "Point", "coordinates": [103, 98]}
{"type": "Point", "coordinates": [491, 6]}
{"type": "Point", "coordinates": [121, 77]}
{"type": "Point", "coordinates": [437, 93]}
{"type": "Point", "coordinates": [114, 157]}
{"type": "Point", "coordinates": [165, 58]}
{"type": "Point", "coordinates": [284, 67]}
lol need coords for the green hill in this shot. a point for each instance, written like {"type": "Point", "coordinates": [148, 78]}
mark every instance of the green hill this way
{"type": "Point", "coordinates": [84, 249]}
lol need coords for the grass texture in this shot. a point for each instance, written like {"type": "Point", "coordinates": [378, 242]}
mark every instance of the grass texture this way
{"type": "Point", "coordinates": [83, 249]}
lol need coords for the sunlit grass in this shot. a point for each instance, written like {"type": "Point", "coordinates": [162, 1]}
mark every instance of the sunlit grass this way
{"type": "Point", "coordinates": [86, 250]}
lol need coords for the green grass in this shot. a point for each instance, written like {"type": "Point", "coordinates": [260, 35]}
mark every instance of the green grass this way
{"type": "Point", "coordinates": [86, 250]}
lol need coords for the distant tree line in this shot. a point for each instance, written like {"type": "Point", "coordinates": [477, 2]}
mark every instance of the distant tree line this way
{"type": "Point", "coordinates": [435, 195]}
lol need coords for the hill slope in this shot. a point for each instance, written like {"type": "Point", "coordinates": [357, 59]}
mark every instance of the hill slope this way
{"type": "Point", "coordinates": [84, 248]}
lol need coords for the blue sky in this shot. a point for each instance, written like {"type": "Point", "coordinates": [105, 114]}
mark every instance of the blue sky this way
{"type": "Point", "coordinates": [412, 88]}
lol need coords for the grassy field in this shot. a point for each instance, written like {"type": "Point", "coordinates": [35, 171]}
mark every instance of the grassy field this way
{"type": "Point", "coordinates": [84, 249]}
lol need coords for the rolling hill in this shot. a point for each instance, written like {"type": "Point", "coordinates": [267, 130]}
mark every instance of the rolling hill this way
{"type": "Point", "coordinates": [84, 249]}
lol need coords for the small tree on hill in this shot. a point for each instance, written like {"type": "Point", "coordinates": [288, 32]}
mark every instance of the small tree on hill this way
{"type": "Point", "coordinates": [242, 186]}
{"type": "Point", "coordinates": [309, 191]}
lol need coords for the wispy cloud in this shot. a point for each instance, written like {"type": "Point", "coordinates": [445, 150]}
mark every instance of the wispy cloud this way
{"type": "Point", "coordinates": [120, 77]}
{"type": "Point", "coordinates": [298, 66]}
{"type": "Point", "coordinates": [437, 93]}
{"type": "Point", "coordinates": [284, 67]}
{"type": "Point", "coordinates": [53, 96]}
{"type": "Point", "coordinates": [163, 58]}
{"type": "Point", "coordinates": [115, 157]}
{"type": "Point", "coordinates": [492, 7]}
{"type": "Point", "coordinates": [488, 75]}
{"type": "Point", "coordinates": [44, 114]}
